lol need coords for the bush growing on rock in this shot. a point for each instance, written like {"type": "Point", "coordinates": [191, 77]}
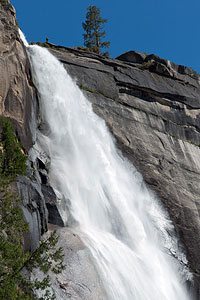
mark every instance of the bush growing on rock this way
{"type": "Point", "coordinates": [14, 285]}
{"type": "Point", "coordinates": [13, 158]}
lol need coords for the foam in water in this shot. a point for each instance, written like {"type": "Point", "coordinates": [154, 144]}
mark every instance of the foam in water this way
{"type": "Point", "coordinates": [22, 37]}
{"type": "Point", "coordinates": [115, 215]}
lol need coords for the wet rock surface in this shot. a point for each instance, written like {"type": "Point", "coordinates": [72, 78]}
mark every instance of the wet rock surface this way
{"type": "Point", "coordinates": [80, 279]}
{"type": "Point", "coordinates": [51, 204]}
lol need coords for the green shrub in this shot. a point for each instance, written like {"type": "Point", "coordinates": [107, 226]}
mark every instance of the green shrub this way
{"type": "Point", "coordinates": [13, 284]}
{"type": "Point", "coordinates": [12, 157]}
{"type": "Point", "coordinates": [13, 260]}
{"type": "Point", "coordinates": [83, 48]}
{"type": "Point", "coordinates": [4, 1]}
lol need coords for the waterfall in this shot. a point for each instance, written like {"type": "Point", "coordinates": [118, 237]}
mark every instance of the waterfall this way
{"type": "Point", "coordinates": [122, 223]}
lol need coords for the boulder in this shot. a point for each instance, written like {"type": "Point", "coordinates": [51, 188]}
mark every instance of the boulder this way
{"type": "Point", "coordinates": [54, 216]}
{"type": "Point", "coordinates": [133, 57]}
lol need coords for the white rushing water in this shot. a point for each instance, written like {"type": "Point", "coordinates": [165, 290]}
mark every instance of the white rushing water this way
{"type": "Point", "coordinates": [120, 221]}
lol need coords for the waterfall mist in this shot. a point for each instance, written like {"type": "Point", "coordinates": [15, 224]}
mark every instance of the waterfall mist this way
{"type": "Point", "coordinates": [129, 235]}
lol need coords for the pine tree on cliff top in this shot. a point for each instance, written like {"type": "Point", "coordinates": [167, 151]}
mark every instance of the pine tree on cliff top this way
{"type": "Point", "coordinates": [94, 30]}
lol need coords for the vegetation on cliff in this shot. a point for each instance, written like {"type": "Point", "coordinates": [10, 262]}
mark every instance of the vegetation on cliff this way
{"type": "Point", "coordinates": [14, 263]}
{"type": "Point", "coordinates": [12, 159]}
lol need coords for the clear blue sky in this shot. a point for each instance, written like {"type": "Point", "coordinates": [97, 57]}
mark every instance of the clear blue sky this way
{"type": "Point", "coordinates": [168, 28]}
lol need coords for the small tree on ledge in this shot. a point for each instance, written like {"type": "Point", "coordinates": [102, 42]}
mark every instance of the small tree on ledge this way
{"type": "Point", "coordinates": [93, 26]}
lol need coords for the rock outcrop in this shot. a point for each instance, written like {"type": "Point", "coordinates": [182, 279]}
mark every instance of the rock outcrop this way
{"type": "Point", "coordinates": [152, 107]}
{"type": "Point", "coordinates": [17, 94]}
{"type": "Point", "coordinates": [18, 102]}
{"type": "Point", "coordinates": [80, 279]}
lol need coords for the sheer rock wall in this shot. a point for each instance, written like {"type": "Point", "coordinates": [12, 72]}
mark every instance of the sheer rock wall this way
{"type": "Point", "coordinates": [152, 107]}
{"type": "Point", "coordinates": [18, 102]}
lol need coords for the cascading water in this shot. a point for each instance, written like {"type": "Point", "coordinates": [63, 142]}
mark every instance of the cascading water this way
{"type": "Point", "coordinates": [115, 215]}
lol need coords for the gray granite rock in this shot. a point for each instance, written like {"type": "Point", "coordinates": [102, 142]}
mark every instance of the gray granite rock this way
{"type": "Point", "coordinates": [80, 279]}
{"type": "Point", "coordinates": [18, 102]}
{"type": "Point", "coordinates": [155, 119]}
{"type": "Point", "coordinates": [132, 56]}
{"type": "Point", "coordinates": [17, 94]}
{"type": "Point", "coordinates": [54, 216]}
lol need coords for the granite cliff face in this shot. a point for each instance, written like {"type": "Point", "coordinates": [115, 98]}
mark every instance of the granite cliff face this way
{"type": "Point", "coordinates": [151, 106]}
{"type": "Point", "coordinates": [17, 93]}
{"type": "Point", "coordinates": [18, 102]}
